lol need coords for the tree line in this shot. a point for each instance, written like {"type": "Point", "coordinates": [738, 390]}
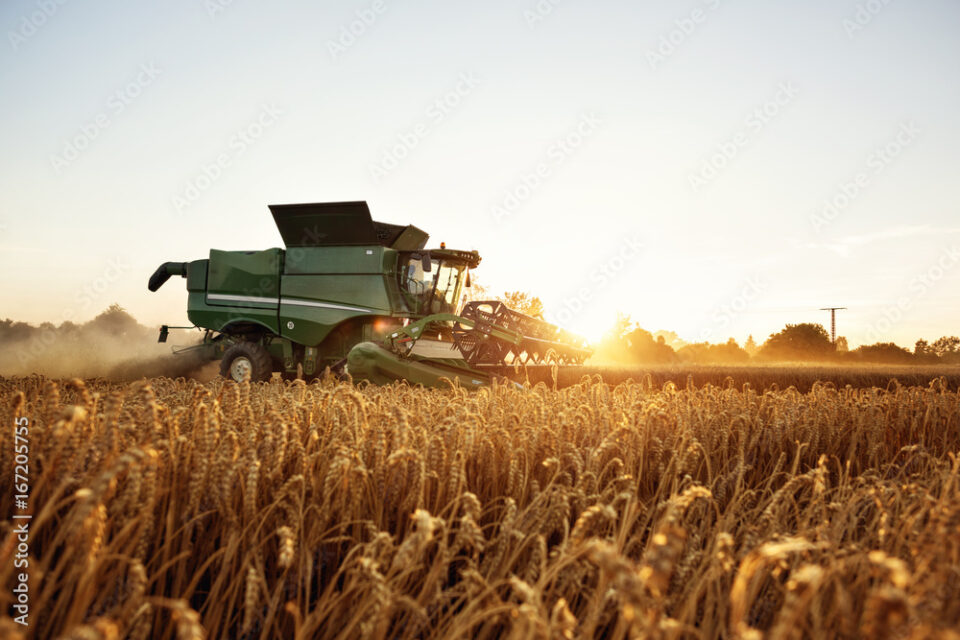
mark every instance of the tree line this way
{"type": "Point", "coordinates": [627, 343]}
{"type": "Point", "coordinates": [806, 342]}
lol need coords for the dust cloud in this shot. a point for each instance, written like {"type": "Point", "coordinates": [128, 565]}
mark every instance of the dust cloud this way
{"type": "Point", "coordinates": [113, 345]}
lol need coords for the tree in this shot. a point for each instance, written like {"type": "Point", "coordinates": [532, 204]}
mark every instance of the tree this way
{"type": "Point", "coordinates": [805, 341]}
{"type": "Point", "coordinates": [884, 353]}
{"type": "Point", "coordinates": [626, 343]}
{"type": "Point", "coordinates": [621, 327]}
{"type": "Point", "coordinates": [115, 320]}
{"type": "Point", "coordinates": [923, 353]}
{"type": "Point", "coordinates": [944, 349]}
{"type": "Point", "coordinates": [671, 338]}
{"type": "Point", "coordinates": [946, 346]}
{"type": "Point", "coordinates": [732, 352]}
{"type": "Point", "coordinates": [643, 348]}
{"type": "Point", "coordinates": [523, 302]}
{"type": "Point", "coordinates": [476, 290]}
{"type": "Point", "coordinates": [705, 353]}
{"type": "Point", "coordinates": [11, 331]}
{"type": "Point", "coordinates": [612, 347]}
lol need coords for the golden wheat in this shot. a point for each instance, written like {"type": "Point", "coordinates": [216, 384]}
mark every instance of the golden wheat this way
{"type": "Point", "coordinates": [174, 509]}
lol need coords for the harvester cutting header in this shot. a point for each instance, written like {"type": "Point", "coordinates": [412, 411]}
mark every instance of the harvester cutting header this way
{"type": "Point", "coordinates": [357, 296]}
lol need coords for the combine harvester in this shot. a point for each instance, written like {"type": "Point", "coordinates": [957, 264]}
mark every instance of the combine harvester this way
{"type": "Point", "coordinates": [360, 297]}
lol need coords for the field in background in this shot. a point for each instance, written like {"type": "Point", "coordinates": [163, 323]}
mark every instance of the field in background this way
{"type": "Point", "coordinates": [802, 376]}
{"type": "Point", "coordinates": [115, 346]}
{"type": "Point", "coordinates": [285, 510]}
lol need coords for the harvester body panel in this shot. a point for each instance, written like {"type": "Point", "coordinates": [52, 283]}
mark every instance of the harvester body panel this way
{"type": "Point", "coordinates": [242, 288]}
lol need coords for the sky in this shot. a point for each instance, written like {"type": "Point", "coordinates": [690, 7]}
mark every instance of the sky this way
{"type": "Point", "coordinates": [717, 168]}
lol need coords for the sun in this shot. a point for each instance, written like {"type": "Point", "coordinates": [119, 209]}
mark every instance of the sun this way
{"type": "Point", "coordinates": [591, 324]}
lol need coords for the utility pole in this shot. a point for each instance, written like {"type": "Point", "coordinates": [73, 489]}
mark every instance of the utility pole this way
{"type": "Point", "coordinates": [833, 322]}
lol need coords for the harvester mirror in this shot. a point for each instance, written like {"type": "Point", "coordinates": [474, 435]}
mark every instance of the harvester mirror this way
{"type": "Point", "coordinates": [425, 263]}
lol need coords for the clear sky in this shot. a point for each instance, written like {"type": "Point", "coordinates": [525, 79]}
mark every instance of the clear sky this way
{"type": "Point", "coordinates": [717, 168]}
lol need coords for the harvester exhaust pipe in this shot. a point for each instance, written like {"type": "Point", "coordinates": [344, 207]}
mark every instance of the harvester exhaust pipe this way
{"type": "Point", "coordinates": [163, 273]}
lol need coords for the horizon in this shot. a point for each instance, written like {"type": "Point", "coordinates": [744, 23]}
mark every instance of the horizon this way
{"type": "Point", "coordinates": [716, 170]}
{"type": "Point", "coordinates": [672, 339]}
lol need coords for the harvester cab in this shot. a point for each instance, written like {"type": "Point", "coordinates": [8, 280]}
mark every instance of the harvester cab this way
{"type": "Point", "coordinates": [434, 281]}
{"type": "Point", "coordinates": [358, 296]}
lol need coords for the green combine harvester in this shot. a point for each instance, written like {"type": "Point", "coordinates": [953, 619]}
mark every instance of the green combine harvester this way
{"type": "Point", "coordinates": [360, 297]}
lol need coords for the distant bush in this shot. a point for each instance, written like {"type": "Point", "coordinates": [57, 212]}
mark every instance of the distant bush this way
{"type": "Point", "coordinates": [805, 341]}
{"type": "Point", "coordinates": [705, 353]}
{"type": "Point", "coordinates": [883, 353]}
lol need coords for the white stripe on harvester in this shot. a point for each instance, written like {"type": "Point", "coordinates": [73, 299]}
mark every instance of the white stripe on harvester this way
{"type": "Point", "coordinates": [229, 298]}
{"type": "Point", "coordinates": [293, 301]}
{"type": "Point", "coordinates": [322, 305]}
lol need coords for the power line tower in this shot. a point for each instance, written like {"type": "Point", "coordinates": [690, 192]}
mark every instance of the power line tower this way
{"type": "Point", "coordinates": [833, 322]}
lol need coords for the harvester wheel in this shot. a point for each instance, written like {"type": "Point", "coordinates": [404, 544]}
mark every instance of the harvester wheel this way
{"type": "Point", "coordinates": [246, 360]}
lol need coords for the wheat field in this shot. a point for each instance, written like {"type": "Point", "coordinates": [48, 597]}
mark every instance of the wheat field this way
{"type": "Point", "coordinates": [175, 509]}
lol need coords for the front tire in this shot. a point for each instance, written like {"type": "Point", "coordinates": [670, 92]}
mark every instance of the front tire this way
{"type": "Point", "coordinates": [247, 361]}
